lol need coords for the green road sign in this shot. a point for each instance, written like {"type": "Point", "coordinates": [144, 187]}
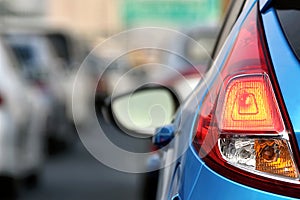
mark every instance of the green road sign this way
{"type": "Point", "coordinates": [176, 12]}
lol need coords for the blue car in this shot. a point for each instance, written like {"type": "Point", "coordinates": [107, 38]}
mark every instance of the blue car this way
{"type": "Point", "coordinates": [237, 135]}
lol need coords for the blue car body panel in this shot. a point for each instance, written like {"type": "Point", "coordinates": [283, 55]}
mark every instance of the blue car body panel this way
{"type": "Point", "coordinates": [286, 66]}
{"type": "Point", "coordinates": [210, 185]}
{"type": "Point", "coordinates": [198, 181]}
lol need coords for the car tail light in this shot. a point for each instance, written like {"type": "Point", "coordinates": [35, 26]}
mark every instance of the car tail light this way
{"type": "Point", "coordinates": [40, 84]}
{"type": "Point", "coordinates": [1, 100]}
{"type": "Point", "coordinates": [250, 105]}
{"type": "Point", "coordinates": [243, 131]}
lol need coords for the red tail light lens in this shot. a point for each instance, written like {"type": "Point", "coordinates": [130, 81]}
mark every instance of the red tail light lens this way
{"type": "Point", "coordinates": [250, 105]}
{"type": "Point", "coordinates": [1, 100]}
{"type": "Point", "coordinates": [243, 130]}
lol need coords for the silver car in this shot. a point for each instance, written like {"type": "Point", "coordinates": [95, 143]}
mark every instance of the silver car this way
{"type": "Point", "coordinates": [22, 121]}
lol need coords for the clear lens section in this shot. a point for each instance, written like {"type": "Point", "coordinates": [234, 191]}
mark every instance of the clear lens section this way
{"type": "Point", "coordinates": [264, 156]}
{"type": "Point", "coordinates": [238, 152]}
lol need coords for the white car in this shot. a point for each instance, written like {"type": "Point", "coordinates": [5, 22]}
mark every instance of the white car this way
{"type": "Point", "coordinates": [22, 121]}
{"type": "Point", "coordinates": [71, 51]}
{"type": "Point", "coordinates": [41, 66]}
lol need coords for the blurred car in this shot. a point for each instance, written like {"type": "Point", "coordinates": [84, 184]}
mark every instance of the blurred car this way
{"type": "Point", "coordinates": [40, 66]}
{"type": "Point", "coordinates": [95, 69]}
{"type": "Point", "coordinates": [191, 61]}
{"type": "Point", "coordinates": [114, 79]}
{"type": "Point", "coordinates": [70, 53]}
{"type": "Point", "coordinates": [23, 121]}
{"type": "Point", "coordinates": [237, 135]}
{"type": "Point", "coordinates": [193, 49]}
{"type": "Point", "coordinates": [141, 66]}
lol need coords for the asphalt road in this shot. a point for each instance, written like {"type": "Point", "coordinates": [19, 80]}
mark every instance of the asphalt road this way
{"type": "Point", "coordinates": [77, 175]}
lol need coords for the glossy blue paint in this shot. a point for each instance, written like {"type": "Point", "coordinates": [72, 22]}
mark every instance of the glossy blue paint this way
{"type": "Point", "coordinates": [175, 177]}
{"type": "Point", "coordinates": [210, 185]}
{"type": "Point", "coordinates": [264, 5]}
{"type": "Point", "coordinates": [176, 197]}
{"type": "Point", "coordinates": [286, 66]}
{"type": "Point", "coordinates": [163, 135]}
{"type": "Point", "coordinates": [190, 174]}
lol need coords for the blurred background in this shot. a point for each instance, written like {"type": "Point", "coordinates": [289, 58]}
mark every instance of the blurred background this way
{"type": "Point", "coordinates": [43, 43]}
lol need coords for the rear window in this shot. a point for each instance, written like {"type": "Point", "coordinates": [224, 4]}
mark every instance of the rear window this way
{"type": "Point", "coordinates": [61, 46]}
{"type": "Point", "coordinates": [289, 16]}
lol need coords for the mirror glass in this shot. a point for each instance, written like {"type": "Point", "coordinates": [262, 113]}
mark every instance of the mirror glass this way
{"type": "Point", "coordinates": [144, 110]}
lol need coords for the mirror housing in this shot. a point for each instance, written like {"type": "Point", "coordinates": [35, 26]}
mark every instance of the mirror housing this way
{"type": "Point", "coordinates": [141, 111]}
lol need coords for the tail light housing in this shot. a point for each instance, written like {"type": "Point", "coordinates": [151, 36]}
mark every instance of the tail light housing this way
{"type": "Point", "coordinates": [243, 130]}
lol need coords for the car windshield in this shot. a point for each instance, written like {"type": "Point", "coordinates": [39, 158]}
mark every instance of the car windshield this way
{"type": "Point", "coordinates": [24, 54]}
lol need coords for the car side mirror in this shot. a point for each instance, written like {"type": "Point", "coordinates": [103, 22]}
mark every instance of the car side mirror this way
{"type": "Point", "coordinates": [143, 110]}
